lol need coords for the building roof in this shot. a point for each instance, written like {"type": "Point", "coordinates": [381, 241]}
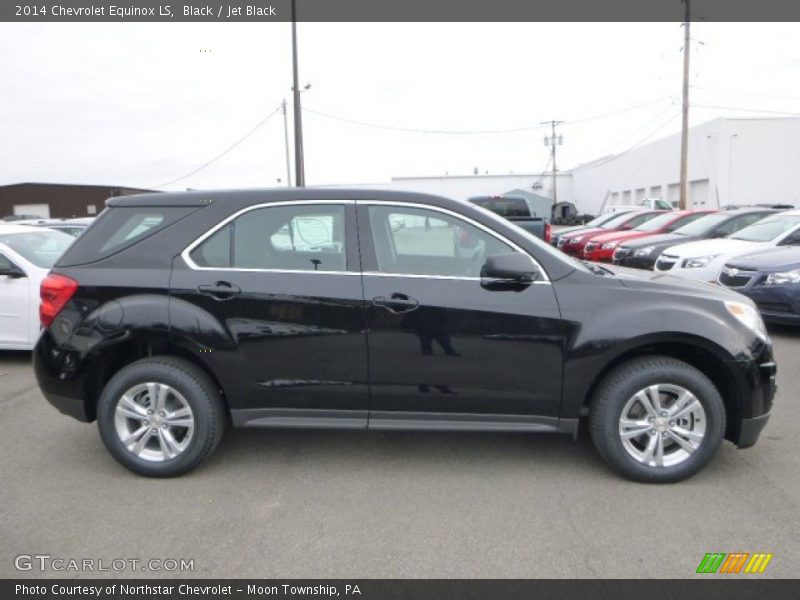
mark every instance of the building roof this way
{"type": "Point", "coordinates": [73, 185]}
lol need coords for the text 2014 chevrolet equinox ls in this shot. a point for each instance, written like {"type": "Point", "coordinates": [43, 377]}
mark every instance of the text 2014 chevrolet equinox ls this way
{"type": "Point", "coordinates": [377, 310]}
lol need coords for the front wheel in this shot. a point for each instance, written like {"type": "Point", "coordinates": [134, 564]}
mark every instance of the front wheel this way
{"type": "Point", "coordinates": [160, 416]}
{"type": "Point", "coordinates": [657, 419]}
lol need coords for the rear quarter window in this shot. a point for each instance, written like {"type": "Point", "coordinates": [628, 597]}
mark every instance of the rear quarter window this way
{"type": "Point", "coordinates": [120, 227]}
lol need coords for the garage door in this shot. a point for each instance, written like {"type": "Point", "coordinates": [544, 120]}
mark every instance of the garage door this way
{"type": "Point", "coordinates": [39, 210]}
{"type": "Point", "coordinates": [698, 192]}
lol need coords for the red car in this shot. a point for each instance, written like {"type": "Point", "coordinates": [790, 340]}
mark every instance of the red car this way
{"type": "Point", "coordinates": [600, 248]}
{"type": "Point", "coordinates": [573, 243]}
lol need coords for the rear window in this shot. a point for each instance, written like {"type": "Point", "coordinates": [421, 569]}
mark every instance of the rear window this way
{"type": "Point", "coordinates": [120, 227]}
{"type": "Point", "coordinates": [505, 206]}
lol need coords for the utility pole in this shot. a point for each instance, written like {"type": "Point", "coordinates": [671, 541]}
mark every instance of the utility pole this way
{"type": "Point", "coordinates": [553, 140]}
{"type": "Point", "coordinates": [300, 176]}
{"type": "Point", "coordinates": [286, 144]}
{"type": "Point", "coordinates": [684, 192]}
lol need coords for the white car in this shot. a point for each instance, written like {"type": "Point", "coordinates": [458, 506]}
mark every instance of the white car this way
{"type": "Point", "coordinates": [704, 259]}
{"type": "Point", "coordinates": [26, 255]}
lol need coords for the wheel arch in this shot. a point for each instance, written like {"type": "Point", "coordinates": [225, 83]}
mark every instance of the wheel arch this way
{"type": "Point", "coordinates": [707, 357]}
{"type": "Point", "coordinates": [133, 348]}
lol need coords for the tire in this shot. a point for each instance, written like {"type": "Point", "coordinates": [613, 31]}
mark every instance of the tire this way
{"type": "Point", "coordinates": [631, 447]}
{"type": "Point", "coordinates": [175, 403]}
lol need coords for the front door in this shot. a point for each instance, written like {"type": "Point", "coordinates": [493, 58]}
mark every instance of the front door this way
{"type": "Point", "coordinates": [16, 329]}
{"type": "Point", "coordinates": [280, 289]}
{"type": "Point", "coordinates": [442, 347]}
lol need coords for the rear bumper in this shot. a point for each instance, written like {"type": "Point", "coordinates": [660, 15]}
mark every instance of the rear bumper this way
{"type": "Point", "coordinates": [53, 370]}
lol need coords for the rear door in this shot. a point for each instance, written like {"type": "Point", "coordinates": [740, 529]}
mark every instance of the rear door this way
{"type": "Point", "coordinates": [444, 351]}
{"type": "Point", "coordinates": [277, 289]}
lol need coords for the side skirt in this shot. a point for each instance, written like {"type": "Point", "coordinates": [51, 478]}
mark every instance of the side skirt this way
{"type": "Point", "coordinates": [398, 420]}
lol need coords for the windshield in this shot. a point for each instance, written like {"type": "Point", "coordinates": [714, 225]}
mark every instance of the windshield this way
{"type": "Point", "coordinates": [656, 222]}
{"type": "Point", "coordinates": [42, 248]}
{"type": "Point", "coordinates": [620, 220]}
{"type": "Point", "coordinates": [703, 224]}
{"type": "Point", "coordinates": [767, 229]}
{"type": "Point", "coordinates": [602, 220]}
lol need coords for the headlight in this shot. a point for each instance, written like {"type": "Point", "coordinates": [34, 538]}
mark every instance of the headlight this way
{"type": "Point", "coordinates": [610, 245]}
{"type": "Point", "coordinates": [575, 240]}
{"type": "Point", "coordinates": [698, 261]}
{"type": "Point", "coordinates": [644, 251]}
{"type": "Point", "coordinates": [748, 316]}
{"type": "Point", "coordinates": [784, 277]}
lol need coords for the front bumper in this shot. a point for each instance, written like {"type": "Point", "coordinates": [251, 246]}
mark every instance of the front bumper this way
{"type": "Point", "coordinates": [756, 382]}
{"type": "Point", "coordinates": [777, 303]}
{"type": "Point", "coordinates": [636, 262]}
{"type": "Point", "coordinates": [750, 430]}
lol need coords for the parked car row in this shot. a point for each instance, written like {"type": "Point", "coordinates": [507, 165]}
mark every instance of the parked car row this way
{"type": "Point", "coordinates": [753, 250]}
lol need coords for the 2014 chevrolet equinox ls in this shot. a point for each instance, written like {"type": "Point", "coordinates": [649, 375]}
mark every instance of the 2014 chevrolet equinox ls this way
{"type": "Point", "coordinates": [354, 309]}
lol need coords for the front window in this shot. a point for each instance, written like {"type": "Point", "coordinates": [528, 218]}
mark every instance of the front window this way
{"type": "Point", "coordinates": [42, 248]}
{"type": "Point", "coordinates": [412, 241]}
{"type": "Point", "coordinates": [768, 229]}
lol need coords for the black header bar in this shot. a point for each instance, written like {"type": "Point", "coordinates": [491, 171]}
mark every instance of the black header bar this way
{"type": "Point", "coordinates": [141, 11]}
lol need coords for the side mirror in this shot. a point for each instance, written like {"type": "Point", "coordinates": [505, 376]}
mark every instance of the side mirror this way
{"type": "Point", "coordinates": [508, 271]}
{"type": "Point", "coordinates": [11, 271]}
{"type": "Point", "coordinates": [719, 234]}
{"type": "Point", "coordinates": [792, 240]}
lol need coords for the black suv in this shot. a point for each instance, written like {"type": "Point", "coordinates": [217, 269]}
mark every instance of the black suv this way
{"type": "Point", "coordinates": [174, 313]}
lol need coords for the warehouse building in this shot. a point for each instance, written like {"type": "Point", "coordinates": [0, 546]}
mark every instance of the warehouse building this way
{"type": "Point", "coordinates": [732, 161]}
{"type": "Point", "coordinates": [53, 200]}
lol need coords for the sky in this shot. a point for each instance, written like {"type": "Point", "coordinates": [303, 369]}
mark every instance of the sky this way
{"type": "Point", "coordinates": [182, 105]}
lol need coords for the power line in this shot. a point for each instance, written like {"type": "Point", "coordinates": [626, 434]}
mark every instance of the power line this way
{"type": "Point", "coordinates": [647, 138]}
{"type": "Point", "coordinates": [745, 93]}
{"type": "Point", "coordinates": [476, 131]}
{"type": "Point", "coordinates": [752, 110]}
{"type": "Point", "coordinates": [619, 112]}
{"type": "Point", "coordinates": [221, 154]}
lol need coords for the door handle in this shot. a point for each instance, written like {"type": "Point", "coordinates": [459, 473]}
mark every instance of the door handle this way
{"type": "Point", "coordinates": [397, 303]}
{"type": "Point", "coordinates": [220, 290]}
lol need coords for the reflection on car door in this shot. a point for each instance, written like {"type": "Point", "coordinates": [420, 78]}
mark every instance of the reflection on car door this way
{"type": "Point", "coordinates": [442, 348]}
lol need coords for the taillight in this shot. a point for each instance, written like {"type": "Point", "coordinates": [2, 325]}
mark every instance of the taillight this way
{"type": "Point", "coordinates": [547, 234]}
{"type": "Point", "coordinates": [55, 292]}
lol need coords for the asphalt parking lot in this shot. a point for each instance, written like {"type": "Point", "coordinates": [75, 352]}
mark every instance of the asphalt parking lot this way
{"type": "Point", "coordinates": [274, 503]}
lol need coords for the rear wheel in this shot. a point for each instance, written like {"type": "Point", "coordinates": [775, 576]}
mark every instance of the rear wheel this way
{"type": "Point", "coordinates": [160, 416]}
{"type": "Point", "coordinates": [657, 419]}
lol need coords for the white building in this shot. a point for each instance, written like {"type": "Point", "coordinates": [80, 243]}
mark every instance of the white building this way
{"type": "Point", "coordinates": [731, 161]}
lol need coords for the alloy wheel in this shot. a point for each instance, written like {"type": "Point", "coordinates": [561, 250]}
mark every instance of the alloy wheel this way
{"type": "Point", "coordinates": [662, 425]}
{"type": "Point", "coordinates": [154, 421]}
